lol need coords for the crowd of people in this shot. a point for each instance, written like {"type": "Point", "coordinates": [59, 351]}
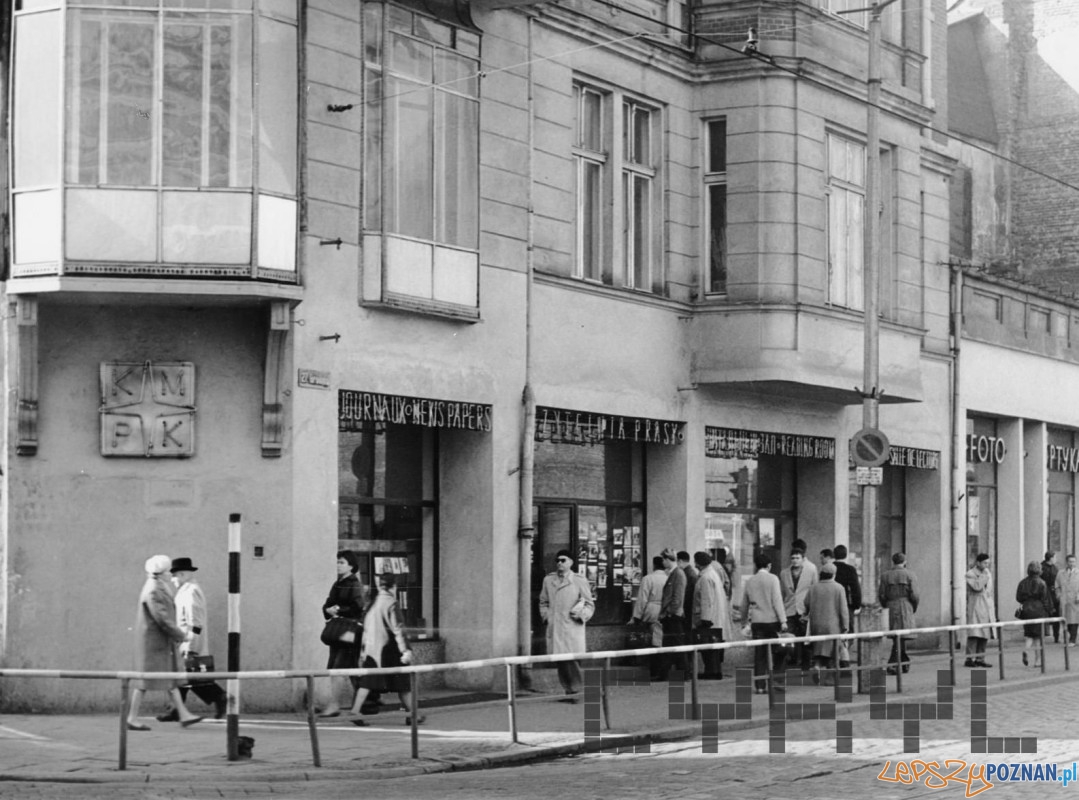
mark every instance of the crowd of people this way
{"type": "Point", "coordinates": [684, 600]}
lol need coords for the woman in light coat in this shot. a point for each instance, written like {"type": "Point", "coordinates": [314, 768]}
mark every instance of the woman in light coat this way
{"type": "Point", "coordinates": [156, 638]}
{"type": "Point", "coordinates": [711, 614]}
{"type": "Point", "coordinates": [827, 613]}
{"type": "Point", "coordinates": [383, 627]}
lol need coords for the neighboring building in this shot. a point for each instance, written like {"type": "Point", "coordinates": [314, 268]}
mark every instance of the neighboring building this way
{"type": "Point", "coordinates": [1014, 102]}
{"type": "Point", "coordinates": [341, 241]}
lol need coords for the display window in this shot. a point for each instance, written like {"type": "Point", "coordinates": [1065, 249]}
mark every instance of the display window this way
{"type": "Point", "coordinates": [589, 499]}
{"type": "Point", "coordinates": [985, 452]}
{"type": "Point", "coordinates": [891, 533]}
{"type": "Point", "coordinates": [1061, 484]}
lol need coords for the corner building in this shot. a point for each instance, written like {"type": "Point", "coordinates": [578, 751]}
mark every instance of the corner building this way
{"type": "Point", "coordinates": [454, 285]}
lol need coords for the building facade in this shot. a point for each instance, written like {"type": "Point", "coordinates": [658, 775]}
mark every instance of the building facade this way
{"type": "Point", "coordinates": [457, 285]}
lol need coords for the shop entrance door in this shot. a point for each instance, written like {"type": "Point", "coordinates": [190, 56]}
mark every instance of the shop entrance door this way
{"type": "Point", "coordinates": [554, 526]}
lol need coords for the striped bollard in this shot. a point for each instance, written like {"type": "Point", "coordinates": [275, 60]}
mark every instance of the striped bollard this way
{"type": "Point", "coordinates": [233, 720]}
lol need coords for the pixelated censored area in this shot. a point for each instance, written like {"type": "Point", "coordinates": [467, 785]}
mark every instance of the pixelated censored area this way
{"type": "Point", "coordinates": [780, 712]}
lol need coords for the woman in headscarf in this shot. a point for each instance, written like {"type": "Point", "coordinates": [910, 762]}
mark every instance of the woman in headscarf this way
{"type": "Point", "coordinates": [1033, 597]}
{"type": "Point", "coordinates": [156, 638]}
{"type": "Point", "coordinates": [385, 645]}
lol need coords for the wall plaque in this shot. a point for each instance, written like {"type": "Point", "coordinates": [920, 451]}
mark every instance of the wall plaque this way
{"type": "Point", "coordinates": [147, 409]}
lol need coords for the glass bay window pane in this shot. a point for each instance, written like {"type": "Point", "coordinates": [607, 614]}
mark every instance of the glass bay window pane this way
{"type": "Point", "coordinates": [457, 173]}
{"type": "Point", "coordinates": [409, 177]}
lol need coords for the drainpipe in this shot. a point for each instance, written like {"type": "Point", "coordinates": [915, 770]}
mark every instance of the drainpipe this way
{"type": "Point", "coordinates": [526, 525]}
{"type": "Point", "coordinates": [958, 457]}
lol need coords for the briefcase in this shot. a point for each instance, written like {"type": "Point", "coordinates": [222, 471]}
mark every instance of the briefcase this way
{"type": "Point", "coordinates": [198, 666]}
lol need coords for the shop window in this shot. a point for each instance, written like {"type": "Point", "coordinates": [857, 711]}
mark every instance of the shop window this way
{"type": "Point", "coordinates": [389, 510]}
{"type": "Point", "coordinates": [626, 149]}
{"type": "Point", "coordinates": [165, 162]}
{"type": "Point", "coordinates": [715, 188]}
{"type": "Point", "coordinates": [421, 156]}
{"type": "Point", "coordinates": [1061, 486]}
{"type": "Point", "coordinates": [750, 508]}
{"type": "Point", "coordinates": [590, 500]}
{"type": "Point", "coordinates": [985, 451]}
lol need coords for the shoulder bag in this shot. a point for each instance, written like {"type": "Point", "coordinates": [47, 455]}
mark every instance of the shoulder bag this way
{"type": "Point", "coordinates": [341, 630]}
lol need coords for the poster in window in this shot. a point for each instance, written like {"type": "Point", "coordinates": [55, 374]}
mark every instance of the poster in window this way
{"type": "Point", "coordinates": [618, 557]}
{"type": "Point", "coordinates": [633, 575]}
{"type": "Point", "coordinates": [635, 536]}
{"type": "Point", "coordinates": [582, 558]}
{"type": "Point", "coordinates": [627, 593]}
{"type": "Point", "coordinates": [767, 527]}
{"type": "Point", "coordinates": [601, 580]}
{"type": "Point", "coordinates": [619, 576]}
{"type": "Point", "coordinates": [633, 557]}
{"type": "Point", "coordinates": [591, 574]}
{"type": "Point", "coordinates": [619, 536]}
{"type": "Point", "coordinates": [398, 565]}
{"type": "Point", "coordinates": [601, 553]}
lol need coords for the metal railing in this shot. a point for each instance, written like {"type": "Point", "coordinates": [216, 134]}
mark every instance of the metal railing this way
{"type": "Point", "coordinates": [510, 663]}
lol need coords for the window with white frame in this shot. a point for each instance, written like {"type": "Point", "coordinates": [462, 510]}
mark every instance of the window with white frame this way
{"type": "Point", "coordinates": [174, 160]}
{"type": "Point", "coordinates": [638, 183]}
{"type": "Point", "coordinates": [590, 158]}
{"type": "Point", "coordinates": [421, 157]}
{"type": "Point", "coordinates": [715, 189]}
{"type": "Point", "coordinates": [632, 258]}
{"type": "Point", "coordinates": [891, 17]}
{"type": "Point", "coordinates": [846, 203]}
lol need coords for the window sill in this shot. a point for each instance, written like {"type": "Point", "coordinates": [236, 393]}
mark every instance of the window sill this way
{"type": "Point", "coordinates": [418, 305]}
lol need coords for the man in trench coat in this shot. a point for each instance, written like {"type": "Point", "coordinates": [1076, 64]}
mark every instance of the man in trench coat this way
{"type": "Point", "coordinates": [566, 604]}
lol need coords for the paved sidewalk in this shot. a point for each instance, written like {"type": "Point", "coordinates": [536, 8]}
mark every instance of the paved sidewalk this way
{"type": "Point", "coordinates": [472, 735]}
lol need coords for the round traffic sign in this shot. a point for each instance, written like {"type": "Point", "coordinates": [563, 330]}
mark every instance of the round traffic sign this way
{"type": "Point", "coordinates": [869, 447]}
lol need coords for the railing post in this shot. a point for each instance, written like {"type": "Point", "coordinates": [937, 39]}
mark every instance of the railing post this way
{"type": "Point", "coordinates": [694, 688]}
{"type": "Point", "coordinates": [125, 699]}
{"type": "Point", "coordinates": [768, 654]}
{"type": "Point", "coordinates": [1041, 646]}
{"type": "Point", "coordinates": [603, 693]}
{"type": "Point", "coordinates": [899, 653]}
{"type": "Point", "coordinates": [1000, 651]}
{"type": "Point", "coordinates": [511, 701]}
{"type": "Point", "coordinates": [311, 726]}
{"type": "Point", "coordinates": [953, 641]}
{"type": "Point", "coordinates": [414, 680]}
{"type": "Point", "coordinates": [1064, 644]}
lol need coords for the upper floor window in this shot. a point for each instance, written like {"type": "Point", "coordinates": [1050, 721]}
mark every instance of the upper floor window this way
{"type": "Point", "coordinates": [715, 188]}
{"type": "Point", "coordinates": [891, 17]}
{"type": "Point", "coordinates": [846, 204]}
{"type": "Point", "coordinates": [421, 156]}
{"type": "Point", "coordinates": [633, 258]}
{"type": "Point", "coordinates": [165, 163]}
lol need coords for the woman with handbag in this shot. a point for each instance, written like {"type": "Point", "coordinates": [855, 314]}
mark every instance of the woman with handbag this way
{"type": "Point", "coordinates": [343, 611]}
{"type": "Point", "coordinates": [1033, 596]}
{"type": "Point", "coordinates": [385, 645]}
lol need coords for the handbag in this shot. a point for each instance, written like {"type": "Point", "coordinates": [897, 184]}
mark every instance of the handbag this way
{"type": "Point", "coordinates": [198, 665]}
{"type": "Point", "coordinates": [341, 630]}
{"type": "Point", "coordinates": [1019, 613]}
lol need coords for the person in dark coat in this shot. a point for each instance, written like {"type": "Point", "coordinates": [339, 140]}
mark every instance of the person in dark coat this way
{"type": "Point", "coordinates": [1033, 596]}
{"type": "Point", "coordinates": [346, 599]}
{"type": "Point", "coordinates": [826, 613]}
{"type": "Point", "coordinates": [690, 571]}
{"type": "Point", "coordinates": [156, 638]}
{"type": "Point", "coordinates": [898, 592]}
{"type": "Point", "coordinates": [847, 577]}
{"type": "Point", "coordinates": [672, 614]}
{"type": "Point", "coordinates": [1049, 575]}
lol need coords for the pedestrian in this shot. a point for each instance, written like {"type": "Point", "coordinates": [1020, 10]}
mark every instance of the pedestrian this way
{"type": "Point", "coordinates": [795, 581]}
{"type": "Point", "coordinates": [1068, 592]}
{"type": "Point", "coordinates": [1033, 597]}
{"type": "Point", "coordinates": [981, 608]}
{"type": "Point", "coordinates": [346, 599]}
{"type": "Point", "coordinates": [156, 637]}
{"type": "Point", "coordinates": [385, 645]}
{"type": "Point", "coordinates": [765, 618]}
{"type": "Point", "coordinates": [191, 618]}
{"type": "Point", "coordinates": [646, 610]}
{"type": "Point", "coordinates": [685, 563]}
{"type": "Point", "coordinates": [847, 577]}
{"type": "Point", "coordinates": [672, 615]}
{"type": "Point", "coordinates": [1049, 575]}
{"type": "Point", "coordinates": [898, 592]}
{"type": "Point", "coordinates": [826, 557]}
{"type": "Point", "coordinates": [566, 605]}
{"type": "Point", "coordinates": [826, 614]}
{"type": "Point", "coordinates": [710, 614]}
{"type": "Point", "coordinates": [726, 570]}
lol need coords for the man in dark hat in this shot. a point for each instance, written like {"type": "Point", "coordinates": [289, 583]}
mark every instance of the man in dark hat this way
{"type": "Point", "coordinates": [898, 592]}
{"type": "Point", "coordinates": [566, 604]}
{"type": "Point", "coordinates": [672, 616]}
{"type": "Point", "coordinates": [191, 618]}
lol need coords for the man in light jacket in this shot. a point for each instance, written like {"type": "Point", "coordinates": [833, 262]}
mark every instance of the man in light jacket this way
{"type": "Point", "coordinates": [566, 604]}
{"type": "Point", "coordinates": [762, 610]}
{"type": "Point", "coordinates": [646, 609]}
{"type": "Point", "coordinates": [980, 608]}
{"type": "Point", "coordinates": [711, 614]}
